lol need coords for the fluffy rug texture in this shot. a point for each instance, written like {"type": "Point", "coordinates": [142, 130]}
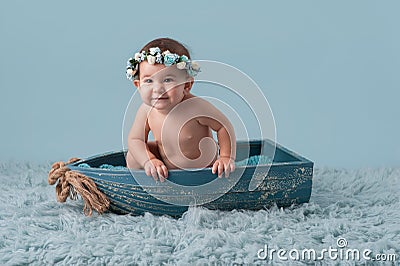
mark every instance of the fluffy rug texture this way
{"type": "Point", "coordinates": [361, 207]}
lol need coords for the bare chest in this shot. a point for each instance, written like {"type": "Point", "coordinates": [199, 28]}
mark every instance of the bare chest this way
{"type": "Point", "coordinates": [171, 134]}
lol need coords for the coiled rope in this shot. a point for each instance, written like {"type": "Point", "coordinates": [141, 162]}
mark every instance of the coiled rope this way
{"type": "Point", "coordinates": [71, 183]}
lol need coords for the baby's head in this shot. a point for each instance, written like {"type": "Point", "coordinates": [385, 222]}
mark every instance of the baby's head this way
{"type": "Point", "coordinates": [163, 73]}
{"type": "Point", "coordinates": [164, 51]}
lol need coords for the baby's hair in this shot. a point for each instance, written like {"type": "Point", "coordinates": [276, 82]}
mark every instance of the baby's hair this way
{"type": "Point", "coordinates": [165, 44]}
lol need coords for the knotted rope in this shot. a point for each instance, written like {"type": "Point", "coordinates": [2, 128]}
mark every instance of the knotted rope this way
{"type": "Point", "coordinates": [70, 183]}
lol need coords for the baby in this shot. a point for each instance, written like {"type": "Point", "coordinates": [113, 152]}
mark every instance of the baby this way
{"type": "Point", "coordinates": [181, 123]}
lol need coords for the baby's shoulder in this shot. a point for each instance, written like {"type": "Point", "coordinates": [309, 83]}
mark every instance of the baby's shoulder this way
{"type": "Point", "coordinates": [144, 109]}
{"type": "Point", "coordinates": [193, 100]}
{"type": "Point", "coordinates": [143, 113]}
{"type": "Point", "coordinates": [201, 105]}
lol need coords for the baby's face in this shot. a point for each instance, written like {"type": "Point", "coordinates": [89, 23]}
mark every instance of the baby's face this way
{"type": "Point", "coordinates": [162, 87]}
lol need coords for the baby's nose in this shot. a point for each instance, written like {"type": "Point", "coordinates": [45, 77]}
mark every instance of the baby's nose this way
{"type": "Point", "coordinates": [158, 87]}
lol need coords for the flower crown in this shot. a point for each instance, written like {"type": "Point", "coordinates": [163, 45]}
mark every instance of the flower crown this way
{"type": "Point", "coordinates": [155, 56]}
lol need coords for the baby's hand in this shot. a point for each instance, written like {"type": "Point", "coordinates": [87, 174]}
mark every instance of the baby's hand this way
{"type": "Point", "coordinates": [157, 169]}
{"type": "Point", "coordinates": [223, 164]}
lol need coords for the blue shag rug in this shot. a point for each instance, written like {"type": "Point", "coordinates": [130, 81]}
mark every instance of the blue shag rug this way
{"type": "Point", "coordinates": [360, 207]}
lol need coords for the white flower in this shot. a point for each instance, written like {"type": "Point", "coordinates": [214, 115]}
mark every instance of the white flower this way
{"type": "Point", "coordinates": [151, 59]}
{"type": "Point", "coordinates": [195, 66]}
{"type": "Point", "coordinates": [137, 56]}
{"type": "Point", "coordinates": [181, 65]}
{"type": "Point", "coordinates": [129, 72]}
{"type": "Point", "coordinates": [166, 52]}
{"type": "Point", "coordinates": [154, 50]}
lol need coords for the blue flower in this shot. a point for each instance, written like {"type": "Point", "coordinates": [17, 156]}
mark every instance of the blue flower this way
{"type": "Point", "coordinates": [170, 59]}
{"type": "Point", "coordinates": [184, 58]}
{"type": "Point", "coordinates": [193, 68]}
{"type": "Point", "coordinates": [158, 58]}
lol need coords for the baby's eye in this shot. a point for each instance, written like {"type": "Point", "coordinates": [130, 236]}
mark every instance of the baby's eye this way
{"type": "Point", "coordinates": [168, 80]}
{"type": "Point", "coordinates": [147, 81]}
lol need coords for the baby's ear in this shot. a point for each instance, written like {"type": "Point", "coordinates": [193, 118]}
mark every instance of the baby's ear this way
{"type": "Point", "coordinates": [136, 83]}
{"type": "Point", "coordinates": [188, 84]}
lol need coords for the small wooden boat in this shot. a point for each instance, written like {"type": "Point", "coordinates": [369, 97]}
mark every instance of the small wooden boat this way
{"type": "Point", "coordinates": [285, 181]}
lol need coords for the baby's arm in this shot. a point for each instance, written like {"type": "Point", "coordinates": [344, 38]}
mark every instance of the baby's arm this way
{"type": "Point", "coordinates": [226, 140]}
{"type": "Point", "coordinates": [139, 150]}
{"type": "Point", "coordinates": [226, 161]}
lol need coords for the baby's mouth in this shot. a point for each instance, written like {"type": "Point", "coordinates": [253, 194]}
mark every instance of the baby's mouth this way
{"type": "Point", "coordinates": [160, 98]}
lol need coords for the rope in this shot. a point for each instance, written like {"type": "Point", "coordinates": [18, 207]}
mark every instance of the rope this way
{"type": "Point", "coordinates": [71, 183]}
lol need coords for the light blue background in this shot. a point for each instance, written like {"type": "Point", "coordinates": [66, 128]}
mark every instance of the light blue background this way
{"type": "Point", "coordinates": [330, 70]}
